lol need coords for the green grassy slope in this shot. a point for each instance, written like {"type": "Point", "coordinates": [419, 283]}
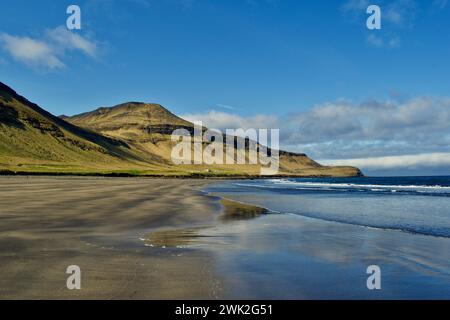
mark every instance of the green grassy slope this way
{"type": "Point", "coordinates": [33, 139]}
{"type": "Point", "coordinates": [131, 138]}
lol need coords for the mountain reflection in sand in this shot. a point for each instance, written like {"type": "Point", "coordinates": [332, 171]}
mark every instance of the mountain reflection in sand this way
{"type": "Point", "coordinates": [232, 211]}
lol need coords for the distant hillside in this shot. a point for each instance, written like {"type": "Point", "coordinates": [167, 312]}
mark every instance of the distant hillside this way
{"type": "Point", "coordinates": [130, 138]}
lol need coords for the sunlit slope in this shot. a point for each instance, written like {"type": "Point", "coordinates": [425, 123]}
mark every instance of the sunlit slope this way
{"type": "Point", "coordinates": [132, 120]}
{"type": "Point", "coordinates": [131, 138]}
{"type": "Point", "coordinates": [31, 139]}
{"type": "Point", "coordinates": [147, 128]}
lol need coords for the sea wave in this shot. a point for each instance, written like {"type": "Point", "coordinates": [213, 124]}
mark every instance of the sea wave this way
{"type": "Point", "coordinates": [395, 203]}
{"type": "Point", "coordinates": [358, 185]}
{"type": "Point", "coordinates": [439, 190]}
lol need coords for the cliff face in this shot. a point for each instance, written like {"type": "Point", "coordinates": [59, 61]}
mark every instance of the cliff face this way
{"type": "Point", "coordinates": [129, 138]}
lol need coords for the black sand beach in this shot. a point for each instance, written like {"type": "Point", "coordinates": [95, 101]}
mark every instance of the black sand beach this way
{"type": "Point", "coordinates": [139, 238]}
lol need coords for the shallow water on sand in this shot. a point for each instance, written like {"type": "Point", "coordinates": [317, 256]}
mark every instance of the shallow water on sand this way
{"type": "Point", "coordinates": [413, 204]}
{"type": "Point", "coordinates": [295, 256]}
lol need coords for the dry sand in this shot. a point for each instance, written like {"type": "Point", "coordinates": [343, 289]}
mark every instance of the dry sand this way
{"type": "Point", "coordinates": [49, 223]}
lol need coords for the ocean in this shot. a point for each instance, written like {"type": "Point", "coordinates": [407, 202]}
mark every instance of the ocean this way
{"type": "Point", "coordinates": [410, 204]}
{"type": "Point", "coordinates": [323, 233]}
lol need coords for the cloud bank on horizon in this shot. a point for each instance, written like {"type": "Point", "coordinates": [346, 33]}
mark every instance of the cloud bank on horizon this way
{"type": "Point", "coordinates": [405, 161]}
{"type": "Point", "coordinates": [371, 134]}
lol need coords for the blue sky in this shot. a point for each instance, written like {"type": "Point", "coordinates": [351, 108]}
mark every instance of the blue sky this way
{"type": "Point", "coordinates": [266, 63]}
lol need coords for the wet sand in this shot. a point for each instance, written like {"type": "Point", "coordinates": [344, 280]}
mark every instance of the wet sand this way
{"type": "Point", "coordinates": [290, 256]}
{"type": "Point", "coordinates": [49, 223]}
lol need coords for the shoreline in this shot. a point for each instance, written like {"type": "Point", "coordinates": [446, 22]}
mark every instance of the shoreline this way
{"type": "Point", "coordinates": [156, 176]}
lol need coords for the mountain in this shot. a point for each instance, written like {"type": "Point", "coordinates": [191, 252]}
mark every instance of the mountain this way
{"type": "Point", "coordinates": [132, 121]}
{"type": "Point", "coordinates": [33, 140]}
{"type": "Point", "coordinates": [131, 138]}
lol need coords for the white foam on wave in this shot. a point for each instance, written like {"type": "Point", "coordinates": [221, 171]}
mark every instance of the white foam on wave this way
{"type": "Point", "coordinates": [329, 186]}
{"type": "Point", "coordinates": [355, 185]}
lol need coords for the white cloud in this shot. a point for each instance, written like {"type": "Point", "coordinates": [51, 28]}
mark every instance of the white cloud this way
{"type": "Point", "coordinates": [49, 51]}
{"type": "Point", "coordinates": [226, 106]}
{"type": "Point", "coordinates": [223, 120]}
{"type": "Point", "coordinates": [417, 121]}
{"type": "Point", "coordinates": [30, 51]}
{"type": "Point", "coordinates": [64, 39]}
{"type": "Point", "coordinates": [395, 162]}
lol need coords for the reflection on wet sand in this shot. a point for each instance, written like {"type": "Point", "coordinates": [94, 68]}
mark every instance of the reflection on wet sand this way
{"type": "Point", "coordinates": [233, 210]}
{"type": "Point", "coordinates": [179, 238]}
{"type": "Point", "coordinates": [172, 238]}
{"type": "Point", "coordinates": [293, 257]}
